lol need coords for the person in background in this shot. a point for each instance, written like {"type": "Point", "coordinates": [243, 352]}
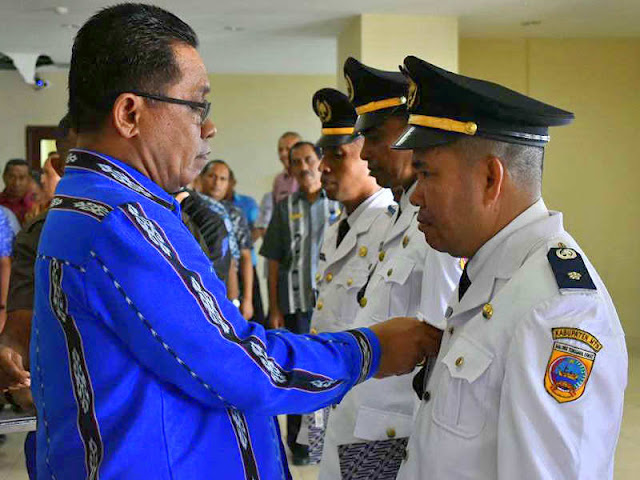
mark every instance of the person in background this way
{"type": "Point", "coordinates": [13, 220]}
{"type": "Point", "coordinates": [284, 184]}
{"type": "Point", "coordinates": [251, 211]}
{"type": "Point", "coordinates": [214, 183]}
{"type": "Point", "coordinates": [49, 179]}
{"type": "Point", "coordinates": [6, 245]}
{"type": "Point", "coordinates": [264, 216]}
{"type": "Point", "coordinates": [16, 195]}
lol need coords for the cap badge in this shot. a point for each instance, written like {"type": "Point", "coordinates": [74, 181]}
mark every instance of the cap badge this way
{"type": "Point", "coordinates": [350, 90]}
{"type": "Point", "coordinates": [324, 111]}
{"type": "Point", "coordinates": [413, 94]}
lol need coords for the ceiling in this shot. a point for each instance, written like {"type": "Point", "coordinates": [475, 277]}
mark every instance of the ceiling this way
{"type": "Point", "coordinates": [299, 36]}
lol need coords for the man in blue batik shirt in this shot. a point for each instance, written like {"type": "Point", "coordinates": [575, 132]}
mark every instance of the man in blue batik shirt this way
{"type": "Point", "coordinates": [140, 366]}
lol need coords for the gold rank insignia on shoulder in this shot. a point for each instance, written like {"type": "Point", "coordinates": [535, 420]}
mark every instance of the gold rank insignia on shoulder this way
{"type": "Point", "coordinates": [569, 365]}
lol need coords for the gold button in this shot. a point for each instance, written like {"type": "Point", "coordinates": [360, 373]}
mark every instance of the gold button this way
{"type": "Point", "coordinates": [451, 330]}
{"type": "Point", "coordinates": [314, 331]}
{"type": "Point", "coordinates": [350, 282]}
{"type": "Point", "coordinates": [405, 241]}
{"type": "Point", "coordinates": [459, 362]}
{"type": "Point", "coordinates": [363, 302]}
{"type": "Point", "coordinates": [381, 256]}
{"type": "Point", "coordinates": [319, 305]}
{"type": "Point", "coordinates": [487, 311]}
{"type": "Point", "coordinates": [391, 432]}
{"type": "Point", "coordinates": [318, 277]}
{"type": "Point", "coordinates": [561, 245]}
{"type": "Point", "coordinates": [363, 251]}
{"type": "Point", "coordinates": [389, 272]}
{"type": "Point", "coordinates": [329, 276]}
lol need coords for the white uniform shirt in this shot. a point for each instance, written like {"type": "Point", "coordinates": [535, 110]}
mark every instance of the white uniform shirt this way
{"type": "Point", "coordinates": [344, 270]}
{"type": "Point", "coordinates": [380, 409]}
{"type": "Point", "coordinates": [497, 405]}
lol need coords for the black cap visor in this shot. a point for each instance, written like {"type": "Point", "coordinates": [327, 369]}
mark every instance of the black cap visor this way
{"type": "Point", "coordinates": [416, 136]}
{"type": "Point", "coordinates": [335, 140]}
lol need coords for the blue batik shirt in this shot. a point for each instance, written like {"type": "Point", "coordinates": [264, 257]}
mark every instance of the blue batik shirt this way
{"type": "Point", "coordinates": [141, 368]}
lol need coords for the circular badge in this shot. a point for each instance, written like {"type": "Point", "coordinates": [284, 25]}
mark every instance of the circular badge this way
{"type": "Point", "coordinates": [567, 375]}
{"type": "Point", "coordinates": [566, 254]}
{"type": "Point", "coordinates": [324, 111]}
{"type": "Point", "coordinates": [350, 91]}
{"type": "Point", "coordinates": [413, 94]}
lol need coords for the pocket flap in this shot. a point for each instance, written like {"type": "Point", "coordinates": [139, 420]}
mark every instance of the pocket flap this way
{"type": "Point", "coordinates": [398, 272]}
{"type": "Point", "coordinates": [467, 360]}
{"type": "Point", "coordinates": [373, 424]}
{"type": "Point", "coordinates": [352, 278]}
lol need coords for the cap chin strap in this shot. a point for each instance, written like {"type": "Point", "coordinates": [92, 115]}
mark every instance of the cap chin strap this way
{"type": "Point", "coordinates": [380, 104]}
{"type": "Point", "coordinates": [338, 131]}
{"type": "Point", "coordinates": [448, 124]}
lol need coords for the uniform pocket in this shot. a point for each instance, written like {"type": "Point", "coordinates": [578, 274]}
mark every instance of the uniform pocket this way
{"type": "Point", "coordinates": [460, 403]}
{"type": "Point", "coordinates": [373, 424]}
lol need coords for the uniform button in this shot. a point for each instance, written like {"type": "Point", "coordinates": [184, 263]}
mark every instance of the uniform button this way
{"type": "Point", "coordinates": [459, 362]}
{"type": "Point", "coordinates": [363, 302]}
{"type": "Point", "coordinates": [319, 305]}
{"type": "Point", "coordinates": [329, 277]}
{"type": "Point", "coordinates": [363, 251]}
{"type": "Point", "coordinates": [350, 282]}
{"type": "Point", "coordinates": [318, 277]}
{"type": "Point", "coordinates": [561, 245]}
{"type": "Point", "coordinates": [405, 241]}
{"type": "Point", "coordinates": [427, 396]}
{"type": "Point", "coordinates": [487, 311]}
{"type": "Point", "coordinates": [381, 256]}
{"type": "Point", "coordinates": [314, 331]}
{"type": "Point", "coordinates": [389, 272]}
{"type": "Point", "coordinates": [451, 330]}
{"type": "Point", "coordinates": [391, 432]}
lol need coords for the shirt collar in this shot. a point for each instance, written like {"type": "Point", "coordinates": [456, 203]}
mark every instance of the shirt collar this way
{"type": "Point", "coordinates": [152, 188]}
{"type": "Point", "coordinates": [535, 212]}
{"type": "Point", "coordinates": [353, 218]}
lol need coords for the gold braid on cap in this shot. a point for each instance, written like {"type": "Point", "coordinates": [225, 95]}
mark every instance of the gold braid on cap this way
{"type": "Point", "coordinates": [448, 124]}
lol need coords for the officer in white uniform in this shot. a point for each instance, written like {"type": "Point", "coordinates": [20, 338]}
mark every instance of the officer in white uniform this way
{"type": "Point", "coordinates": [531, 373]}
{"type": "Point", "coordinates": [367, 432]}
{"type": "Point", "coordinates": [349, 249]}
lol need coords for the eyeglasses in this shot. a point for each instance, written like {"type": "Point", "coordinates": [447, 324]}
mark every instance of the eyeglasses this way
{"type": "Point", "coordinates": [203, 107]}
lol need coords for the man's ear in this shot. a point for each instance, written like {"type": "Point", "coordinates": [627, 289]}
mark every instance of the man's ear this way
{"type": "Point", "coordinates": [495, 176]}
{"type": "Point", "coordinates": [126, 113]}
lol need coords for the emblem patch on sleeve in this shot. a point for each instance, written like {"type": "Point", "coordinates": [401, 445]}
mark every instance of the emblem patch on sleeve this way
{"type": "Point", "coordinates": [570, 364]}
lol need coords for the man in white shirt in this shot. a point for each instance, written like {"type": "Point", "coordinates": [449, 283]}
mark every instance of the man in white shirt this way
{"type": "Point", "coordinates": [530, 377]}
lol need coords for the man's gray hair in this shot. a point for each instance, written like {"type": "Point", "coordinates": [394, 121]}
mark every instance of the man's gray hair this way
{"type": "Point", "coordinates": [523, 163]}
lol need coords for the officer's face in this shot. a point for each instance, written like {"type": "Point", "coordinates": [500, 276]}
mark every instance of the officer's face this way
{"type": "Point", "coordinates": [174, 136]}
{"type": "Point", "coordinates": [450, 200]}
{"type": "Point", "coordinates": [344, 173]}
{"type": "Point", "coordinates": [390, 168]}
{"type": "Point", "coordinates": [305, 167]}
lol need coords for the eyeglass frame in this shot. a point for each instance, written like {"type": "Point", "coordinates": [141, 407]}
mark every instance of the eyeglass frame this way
{"type": "Point", "coordinates": [205, 106]}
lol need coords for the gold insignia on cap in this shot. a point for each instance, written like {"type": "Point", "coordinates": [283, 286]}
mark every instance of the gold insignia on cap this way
{"type": "Point", "coordinates": [413, 94]}
{"type": "Point", "coordinates": [363, 251]}
{"type": "Point", "coordinates": [487, 311]}
{"type": "Point", "coordinates": [574, 275]}
{"type": "Point", "coordinates": [350, 91]}
{"type": "Point", "coordinates": [324, 110]}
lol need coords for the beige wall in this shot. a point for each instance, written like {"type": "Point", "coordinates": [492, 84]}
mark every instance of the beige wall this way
{"type": "Point", "coordinates": [250, 111]}
{"type": "Point", "coordinates": [592, 172]}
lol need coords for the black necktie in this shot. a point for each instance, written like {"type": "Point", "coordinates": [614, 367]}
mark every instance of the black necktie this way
{"type": "Point", "coordinates": [343, 229]}
{"type": "Point", "coordinates": [465, 283]}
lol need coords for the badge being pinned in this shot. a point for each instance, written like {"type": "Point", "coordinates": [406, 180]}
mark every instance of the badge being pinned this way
{"type": "Point", "coordinates": [570, 365]}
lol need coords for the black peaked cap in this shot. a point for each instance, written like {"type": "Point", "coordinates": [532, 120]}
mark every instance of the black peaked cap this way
{"type": "Point", "coordinates": [337, 115]}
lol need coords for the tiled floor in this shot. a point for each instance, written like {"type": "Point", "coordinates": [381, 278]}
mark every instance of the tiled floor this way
{"type": "Point", "coordinates": [627, 456]}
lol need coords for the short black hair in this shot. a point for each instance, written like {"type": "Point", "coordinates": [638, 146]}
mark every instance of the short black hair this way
{"type": "Point", "coordinates": [122, 48]}
{"type": "Point", "coordinates": [303, 143]}
{"type": "Point", "coordinates": [14, 162]}
{"type": "Point", "coordinates": [218, 161]}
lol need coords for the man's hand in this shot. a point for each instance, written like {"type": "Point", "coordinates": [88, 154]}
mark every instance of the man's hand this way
{"type": "Point", "coordinates": [276, 319]}
{"type": "Point", "coordinates": [13, 374]}
{"type": "Point", "coordinates": [246, 309]}
{"type": "Point", "coordinates": [405, 342]}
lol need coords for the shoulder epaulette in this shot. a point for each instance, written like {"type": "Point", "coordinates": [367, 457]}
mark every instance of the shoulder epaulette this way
{"type": "Point", "coordinates": [569, 269]}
